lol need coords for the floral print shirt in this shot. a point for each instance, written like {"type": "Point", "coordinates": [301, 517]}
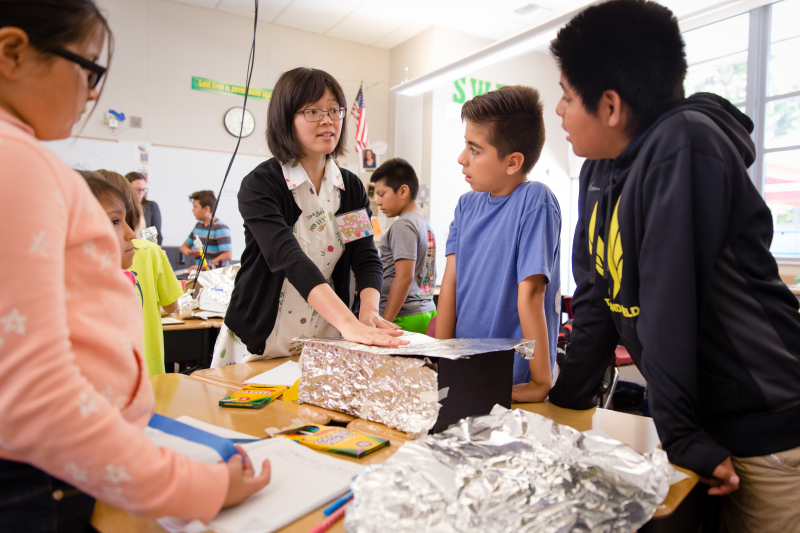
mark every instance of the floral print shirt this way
{"type": "Point", "coordinates": [318, 236]}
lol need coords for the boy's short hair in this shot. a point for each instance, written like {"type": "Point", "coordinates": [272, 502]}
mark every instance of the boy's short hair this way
{"type": "Point", "coordinates": [396, 173]}
{"type": "Point", "coordinates": [633, 47]}
{"type": "Point", "coordinates": [204, 198]}
{"type": "Point", "coordinates": [101, 187]}
{"type": "Point", "coordinates": [133, 210]}
{"type": "Point", "coordinates": [514, 120]}
{"type": "Point", "coordinates": [294, 90]}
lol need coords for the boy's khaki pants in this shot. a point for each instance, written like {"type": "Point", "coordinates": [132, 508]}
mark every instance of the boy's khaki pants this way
{"type": "Point", "coordinates": [768, 499]}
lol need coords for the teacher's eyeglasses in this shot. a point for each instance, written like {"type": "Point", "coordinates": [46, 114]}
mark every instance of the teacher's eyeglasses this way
{"type": "Point", "coordinates": [315, 115]}
{"type": "Point", "coordinates": [96, 72]}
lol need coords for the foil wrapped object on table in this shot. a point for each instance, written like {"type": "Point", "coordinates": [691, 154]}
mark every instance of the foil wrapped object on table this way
{"type": "Point", "coordinates": [380, 384]}
{"type": "Point", "coordinates": [510, 471]}
{"type": "Point", "coordinates": [400, 392]}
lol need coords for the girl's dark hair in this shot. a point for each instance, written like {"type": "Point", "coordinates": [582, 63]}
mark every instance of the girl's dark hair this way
{"type": "Point", "coordinates": [633, 47]}
{"type": "Point", "coordinates": [53, 23]}
{"type": "Point", "coordinates": [296, 89]}
{"type": "Point", "coordinates": [101, 187]}
{"type": "Point", "coordinates": [133, 211]}
{"type": "Point", "coordinates": [134, 176]}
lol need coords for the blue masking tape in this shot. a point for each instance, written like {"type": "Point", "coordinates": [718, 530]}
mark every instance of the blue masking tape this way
{"type": "Point", "coordinates": [224, 447]}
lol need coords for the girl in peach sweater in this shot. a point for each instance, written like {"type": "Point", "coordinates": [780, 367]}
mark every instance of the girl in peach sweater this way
{"type": "Point", "coordinates": [74, 394]}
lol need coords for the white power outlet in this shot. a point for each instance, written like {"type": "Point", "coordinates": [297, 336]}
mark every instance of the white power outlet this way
{"type": "Point", "coordinates": [110, 121]}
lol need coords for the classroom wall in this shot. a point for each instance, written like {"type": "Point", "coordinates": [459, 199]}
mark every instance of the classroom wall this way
{"type": "Point", "coordinates": [159, 46]}
{"type": "Point", "coordinates": [439, 114]}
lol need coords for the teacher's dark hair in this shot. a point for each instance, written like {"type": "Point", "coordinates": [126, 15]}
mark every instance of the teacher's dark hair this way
{"type": "Point", "coordinates": [295, 90]}
{"type": "Point", "coordinates": [50, 24]}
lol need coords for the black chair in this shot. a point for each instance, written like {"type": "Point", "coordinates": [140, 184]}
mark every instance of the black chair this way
{"type": "Point", "coordinates": [177, 260]}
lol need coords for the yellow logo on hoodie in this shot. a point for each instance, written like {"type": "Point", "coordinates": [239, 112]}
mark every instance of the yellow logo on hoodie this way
{"type": "Point", "coordinates": [615, 251]}
{"type": "Point", "coordinates": [614, 259]}
{"type": "Point", "coordinates": [592, 222]}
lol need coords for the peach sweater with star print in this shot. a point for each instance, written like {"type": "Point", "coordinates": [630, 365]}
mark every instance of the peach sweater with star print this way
{"type": "Point", "coordinates": [74, 392]}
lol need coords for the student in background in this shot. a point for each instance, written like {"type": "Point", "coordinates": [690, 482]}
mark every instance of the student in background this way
{"type": "Point", "coordinates": [156, 283]}
{"type": "Point", "coordinates": [408, 249]}
{"type": "Point", "coordinates": [502, 278]}
{"type": "Point", "coordinates": [216, 236]}
{"type": "Point", "coordinates": [296, 267]}
{"type": "Point", "coordinates": [699, 304]}
{"type": "Point", "coordinates": [152, 213]}
{"type": "Point", "coordinates": [73, 393]}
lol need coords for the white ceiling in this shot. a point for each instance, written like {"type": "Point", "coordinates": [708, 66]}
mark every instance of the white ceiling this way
{"type": "Point", "coordinates": [387, 23]}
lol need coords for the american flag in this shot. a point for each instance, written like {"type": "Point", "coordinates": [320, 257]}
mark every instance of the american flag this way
{"type": "Point", "coordinates": [360, 114]}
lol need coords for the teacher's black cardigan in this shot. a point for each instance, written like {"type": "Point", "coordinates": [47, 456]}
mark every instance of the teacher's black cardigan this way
{"type": "Point", "coordinates": [272, 253]}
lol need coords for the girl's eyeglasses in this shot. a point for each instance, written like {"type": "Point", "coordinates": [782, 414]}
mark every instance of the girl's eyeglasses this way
{"type": "Point", "coordinates": [96, 72]}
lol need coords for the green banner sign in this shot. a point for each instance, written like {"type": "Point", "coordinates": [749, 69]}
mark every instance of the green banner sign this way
{"type": "Point", "coordinates": [479, 87]}
{"type": "Point", "coordinates": [221, 87]}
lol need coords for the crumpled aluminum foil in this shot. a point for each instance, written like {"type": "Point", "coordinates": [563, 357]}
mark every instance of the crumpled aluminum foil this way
{"type": "Point", "coordinates": [510, 471]}
{"type": "Point", "coordinates": [400, 392]}
{"type": "Point", "coordinates": [150, 234]}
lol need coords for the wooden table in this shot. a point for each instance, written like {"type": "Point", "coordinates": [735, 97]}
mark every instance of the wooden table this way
{"type": "Point", "coordinates": [638, 432]}
{"type": "Point", "coordinates": [197, 396]}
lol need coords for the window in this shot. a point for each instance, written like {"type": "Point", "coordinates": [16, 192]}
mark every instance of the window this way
{"type": "Point", "coordinates": [753, 60]}
{"type": "Point", "coordinates": [717, 58]}
{"type": "Point", "coordinates": [781, 142]}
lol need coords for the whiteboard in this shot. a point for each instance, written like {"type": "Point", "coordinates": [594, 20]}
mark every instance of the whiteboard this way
{"type": "Point", "coordinates": [174, 173]}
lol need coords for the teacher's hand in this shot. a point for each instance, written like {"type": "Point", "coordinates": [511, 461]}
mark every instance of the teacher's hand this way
{"type": "Point", "coordinates": [372, 319]}
{"type": "Point", "coordinates": [355, 331]}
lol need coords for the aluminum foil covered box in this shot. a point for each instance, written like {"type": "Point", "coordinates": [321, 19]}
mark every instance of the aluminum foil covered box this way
{"type": "Point", "coordinates": [424, 386]}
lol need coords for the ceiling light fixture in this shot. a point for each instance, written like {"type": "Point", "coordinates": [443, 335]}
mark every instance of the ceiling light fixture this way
{"type": "Point", "coordinates": [519, 44]}
{"type": "Point", "coordinates": [531, 39]}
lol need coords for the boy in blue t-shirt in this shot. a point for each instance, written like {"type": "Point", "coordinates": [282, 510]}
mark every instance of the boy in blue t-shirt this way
{"type": "Point", "coordinates": [502, 277]}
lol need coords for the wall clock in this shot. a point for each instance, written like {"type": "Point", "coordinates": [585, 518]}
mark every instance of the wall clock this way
{"type": "Point", "coordinates": [233, 121]}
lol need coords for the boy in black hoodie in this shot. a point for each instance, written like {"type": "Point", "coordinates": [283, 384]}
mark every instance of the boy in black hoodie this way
{"type": "Point", "coordinates": [699, 303]}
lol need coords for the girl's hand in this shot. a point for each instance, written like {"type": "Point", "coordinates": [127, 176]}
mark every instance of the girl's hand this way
{"type": "Point", "coordinates": [242, 481]}
{"type": "Point", "coordinates": [373, 319]}
{"type": "Point", "coordinates": [355, 331]}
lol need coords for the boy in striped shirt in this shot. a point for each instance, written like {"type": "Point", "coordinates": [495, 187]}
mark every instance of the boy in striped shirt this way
{"type": "Point", "coordinates": [215, 236]}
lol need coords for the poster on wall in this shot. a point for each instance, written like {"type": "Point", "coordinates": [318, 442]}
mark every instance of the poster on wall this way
{"type": "Point", "coordinates": [368, 160]}
{"type": "Point", "coordinates": [141, 158]}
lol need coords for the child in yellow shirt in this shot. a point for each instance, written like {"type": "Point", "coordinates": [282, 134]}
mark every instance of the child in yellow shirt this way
{"type": "Point", "coordinates": [156, 283]}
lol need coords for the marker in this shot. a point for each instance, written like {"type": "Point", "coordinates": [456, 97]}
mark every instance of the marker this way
{"type": "Point", "coordinates": [326, 524]}
{"type": "Point", "coordinates": [338, 503]}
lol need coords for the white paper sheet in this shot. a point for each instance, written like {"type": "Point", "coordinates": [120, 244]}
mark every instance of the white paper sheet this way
{"type": "Point", "coordinates": [302, 481]}
{"type": "Point", "coordinates": [169, 321]}
{"type": "Point", "coordinates": [286, 374]}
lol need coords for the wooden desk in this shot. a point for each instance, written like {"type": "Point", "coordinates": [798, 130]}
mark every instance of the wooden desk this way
{"type": "Point", "coordinates": [197, 396]}
{"type": "Point", "coordinates": [638, 432]}
{"type": "Point", "coordinates": [177, 395]}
